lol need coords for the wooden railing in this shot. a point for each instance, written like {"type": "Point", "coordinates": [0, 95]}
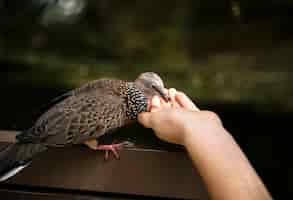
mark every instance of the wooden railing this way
{"type": "Point", "coordinates": [142, 172]}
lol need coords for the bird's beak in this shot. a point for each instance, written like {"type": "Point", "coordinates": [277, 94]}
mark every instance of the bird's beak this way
{"type": "Point", "coordinates": [161, 91]}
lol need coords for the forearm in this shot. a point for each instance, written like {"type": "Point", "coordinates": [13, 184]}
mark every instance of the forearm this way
{"type": "Point", "coordinates": [223, 166]}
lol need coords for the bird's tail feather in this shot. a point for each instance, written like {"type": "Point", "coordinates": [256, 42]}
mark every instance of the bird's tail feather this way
{"type": "Point", "coordinates": [17, 156]}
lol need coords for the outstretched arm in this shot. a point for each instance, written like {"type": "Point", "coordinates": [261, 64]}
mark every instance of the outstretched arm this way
{"type": "Point", "coordinates": [223, 166]}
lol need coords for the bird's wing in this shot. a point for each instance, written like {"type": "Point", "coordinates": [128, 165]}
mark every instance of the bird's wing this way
{"type": "Point", "coordinates": [76, 119]}
{"type": "Point", "coordinates": [100, 84]}
{"type": "Point", "coordinates": [55, 101]}
{"type": "Point", "coordinates": [106, 85]}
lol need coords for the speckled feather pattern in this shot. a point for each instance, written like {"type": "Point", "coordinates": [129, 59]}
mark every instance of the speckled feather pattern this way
{"type": "Point", "coordinates": [87, 113]}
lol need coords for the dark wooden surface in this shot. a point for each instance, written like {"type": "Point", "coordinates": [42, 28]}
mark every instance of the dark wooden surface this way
{"type": "Point", "coordinates": [139, 172]}
{"type": "Point", "coordinates": [13, 194]}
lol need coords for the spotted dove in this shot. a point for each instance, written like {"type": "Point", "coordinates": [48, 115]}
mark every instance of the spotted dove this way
{"type": "Point", "coordinates": [81, 116]}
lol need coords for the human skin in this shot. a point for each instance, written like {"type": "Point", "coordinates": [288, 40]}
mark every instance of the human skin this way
{"type": "Point", "coordinates": [223, 166]}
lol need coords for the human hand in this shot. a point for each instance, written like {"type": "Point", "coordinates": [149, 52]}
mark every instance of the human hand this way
{"type": "Point", "coordinates": [175, 120]}
{"type": "Point", "coordinates": [212, 149]}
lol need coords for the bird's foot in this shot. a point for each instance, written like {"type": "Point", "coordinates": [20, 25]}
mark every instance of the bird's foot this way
{"type": "Point", "coordinates": [114, 148]}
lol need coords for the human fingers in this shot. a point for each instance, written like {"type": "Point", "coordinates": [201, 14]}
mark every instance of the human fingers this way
{"type": "Point", "coordinates": [145, 119]}
{"type": "Point", "coordinates": [185, 101]}
{"type": "Point", "coordinates": [155, 104]}
{"type": "Point", "coordinates": [172, 94]}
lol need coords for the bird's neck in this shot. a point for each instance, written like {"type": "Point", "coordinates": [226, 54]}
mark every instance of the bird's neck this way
{"type": "Point", "coordinates": [136, 101]}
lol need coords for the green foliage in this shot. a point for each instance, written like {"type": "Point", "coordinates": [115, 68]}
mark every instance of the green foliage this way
{"type": "Point", "coordinates": [214, 58]}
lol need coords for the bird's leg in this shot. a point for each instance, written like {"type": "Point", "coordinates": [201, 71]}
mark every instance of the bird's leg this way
{"type": "Point", "coordinates": [112, 148]}
{"type": "Point", "coordinates": [93, 144]}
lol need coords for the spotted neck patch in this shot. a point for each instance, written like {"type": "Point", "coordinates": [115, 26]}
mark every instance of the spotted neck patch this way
{"type": "Point", "coordinates": [137, 102]}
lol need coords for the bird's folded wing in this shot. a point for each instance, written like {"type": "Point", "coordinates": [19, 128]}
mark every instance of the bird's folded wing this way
{"type": "Point", "coordinates": [78, 118]}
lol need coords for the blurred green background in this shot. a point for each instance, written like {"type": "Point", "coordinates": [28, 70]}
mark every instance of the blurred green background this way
{"type": "Point", "coordinates": [232, 57]}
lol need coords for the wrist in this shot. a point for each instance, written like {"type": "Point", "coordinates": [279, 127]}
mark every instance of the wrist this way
{"type": "Point", "coordinates": [201, 125]}
{"type": "Point", "coordinates": [189, 129]}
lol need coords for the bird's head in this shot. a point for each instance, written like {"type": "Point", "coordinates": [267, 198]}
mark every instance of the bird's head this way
{"type": "Point", "coordinates": [151, 84]}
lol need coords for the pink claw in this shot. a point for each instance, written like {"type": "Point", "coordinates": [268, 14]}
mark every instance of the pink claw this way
{"type": "Point", "coordinates": [112, 148]}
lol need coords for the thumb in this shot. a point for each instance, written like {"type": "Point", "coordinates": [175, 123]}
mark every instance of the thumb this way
{"type": "Point", "coordinates": [145, 119]}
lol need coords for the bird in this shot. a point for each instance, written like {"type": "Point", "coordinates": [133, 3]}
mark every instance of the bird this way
{"type": "Point", "coordinates": [82, 116]}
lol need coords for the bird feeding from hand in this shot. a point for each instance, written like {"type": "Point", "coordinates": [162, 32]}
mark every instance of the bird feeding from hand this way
{"type": "Point", "coordinates": [82, 116]}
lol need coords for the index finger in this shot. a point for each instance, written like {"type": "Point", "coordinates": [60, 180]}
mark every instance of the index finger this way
{"type": "Point", "coordinates": [185, 101]}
